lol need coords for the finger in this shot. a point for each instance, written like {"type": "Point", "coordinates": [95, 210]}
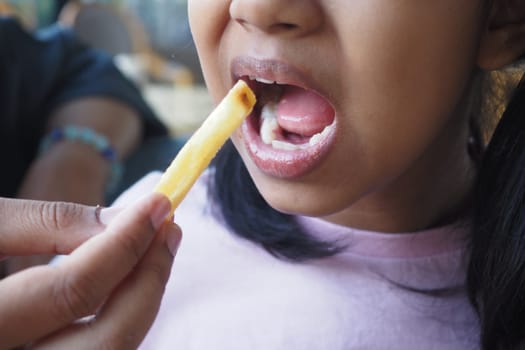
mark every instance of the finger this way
{"type": "Point", "coordinates": [143, 289]}
{"type": "Point", "coordinates": [38, 301]}
{"type": "Point", "coordinates": [40, 227]}
{"type": "Point", "coordinates": [117, 325]}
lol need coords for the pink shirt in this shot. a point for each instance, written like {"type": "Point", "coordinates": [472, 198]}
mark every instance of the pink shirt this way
{"type": "Point", "coordinates": [386, 291]}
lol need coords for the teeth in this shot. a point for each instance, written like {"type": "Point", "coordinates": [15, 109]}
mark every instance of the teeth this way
{"type": "Point", "coordinates": [261, 80]}
{"type": "Point", "coordinates": [270, 129]}
{"type": "Point", "coordinates": [265, 81]}
{"type": "Point", "coordinates": [285, 145]}
{"type": "Point", "coordinates": [269, 125]}
{"type": "Point", "coordinates": [315, 139]}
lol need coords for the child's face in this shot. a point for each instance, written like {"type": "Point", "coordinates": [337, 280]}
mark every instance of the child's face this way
{"type": "Point", "coordinates": [393, 75]}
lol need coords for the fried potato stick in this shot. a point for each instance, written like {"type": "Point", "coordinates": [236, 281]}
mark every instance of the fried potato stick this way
{"type": "Point", "coordinates": [195, 156]}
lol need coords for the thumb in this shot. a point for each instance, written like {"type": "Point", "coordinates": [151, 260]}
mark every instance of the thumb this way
{"type": "Point", "coordinates": [41, 227]}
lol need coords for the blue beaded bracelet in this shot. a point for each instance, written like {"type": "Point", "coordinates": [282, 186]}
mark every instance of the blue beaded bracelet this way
{"type": "Point", "coordinates": [89, 137]}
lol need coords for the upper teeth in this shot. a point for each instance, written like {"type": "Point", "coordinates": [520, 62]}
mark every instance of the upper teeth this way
{"type": "Point", "coordinates": [262, 80]}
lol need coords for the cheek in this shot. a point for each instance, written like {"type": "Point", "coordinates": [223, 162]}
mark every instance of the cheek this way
{"type": "Point", "coordinates": [411, 70]}
{"type": "Point", "coordinates": [204, 16]}
{"type": "Point", "coordinates": [208, 21]}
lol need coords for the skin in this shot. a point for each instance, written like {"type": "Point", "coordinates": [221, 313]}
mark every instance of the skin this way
{"type": "Point", "coordinates": [73, 171]}
{"type": "Point", "coordinates": [128, 264]}
{"type": "Point", "coordinates": [83, 172]}
{"type": "Point", "coordinates": [402, 100]}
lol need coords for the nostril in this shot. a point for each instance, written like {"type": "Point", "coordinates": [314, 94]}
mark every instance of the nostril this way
{"type": "Point", "coordinates": [287, 25]}
{"type": "Point", "coordinates": [282, 28]}
{"type": "Point", "coordinates": [277, 16]}
{"type": "Point", "coordinates": [241, 21]}
{"type": "Point", "coordinates": [276, 27]}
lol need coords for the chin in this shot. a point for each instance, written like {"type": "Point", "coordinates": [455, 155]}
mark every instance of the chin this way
{"type": "Point", "coordinates": [294, 199]}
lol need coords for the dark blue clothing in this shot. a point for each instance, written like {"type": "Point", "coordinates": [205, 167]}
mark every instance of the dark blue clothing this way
{"type": "Point", "coordinates": [39, 73]}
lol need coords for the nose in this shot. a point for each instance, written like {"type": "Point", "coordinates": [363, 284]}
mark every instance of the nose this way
{"type": "Point", "coordinates": [291, 17]}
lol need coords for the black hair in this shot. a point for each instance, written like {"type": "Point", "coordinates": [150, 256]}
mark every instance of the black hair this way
{"type": "Point", "coordinates": [247, 213]}
{"type": "Point", "coordinates": [496, 272]}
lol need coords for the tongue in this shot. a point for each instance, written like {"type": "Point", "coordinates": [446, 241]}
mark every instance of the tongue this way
{"type": "Point", "coordinates": [303, 112]}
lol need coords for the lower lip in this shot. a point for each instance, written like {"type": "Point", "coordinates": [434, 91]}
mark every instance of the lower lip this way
{"type": "Point", "coordinates": [280, 163]}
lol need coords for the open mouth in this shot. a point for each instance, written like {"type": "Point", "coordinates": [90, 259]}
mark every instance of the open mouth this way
{"type": "Point", "coordinates": [290, 117]}
{"type": "Point", "coordinates": [290, 129]}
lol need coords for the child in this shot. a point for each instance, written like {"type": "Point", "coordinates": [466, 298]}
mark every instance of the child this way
{"type": "Point", "coordinates": [346, 216]}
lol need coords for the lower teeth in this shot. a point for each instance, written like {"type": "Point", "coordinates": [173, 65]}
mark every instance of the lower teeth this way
{"type": "Point", "coordinates": [286, 145]}
{"type": "Point", "coordinates": [269, 125]}
{"type": "Point", "coordinates": [270, 129]}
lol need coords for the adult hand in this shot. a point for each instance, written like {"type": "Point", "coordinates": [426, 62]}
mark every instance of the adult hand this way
{"type": "Point", "coordinates": [69, 172]}
{"type": "Point", "coordinates": [118, 276]}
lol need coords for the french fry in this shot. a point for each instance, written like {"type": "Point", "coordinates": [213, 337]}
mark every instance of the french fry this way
{"type": "Point", "coordinates": [195, 156]}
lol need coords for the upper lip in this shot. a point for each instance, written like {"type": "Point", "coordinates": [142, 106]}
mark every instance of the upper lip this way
{"type": "Point", "coordinates": [271, 69]}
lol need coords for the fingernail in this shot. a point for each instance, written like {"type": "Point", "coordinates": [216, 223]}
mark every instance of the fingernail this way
{"type": "Point", "coordinates": [173, 238]}
{"type": "Point", "coordinates": [160, 212]}
{"type": "Point", "coordinates": [106, 215]}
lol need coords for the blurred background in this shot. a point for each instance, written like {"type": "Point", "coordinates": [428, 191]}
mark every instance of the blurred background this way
{"type": "Point", "coordinates": [150, 41]}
